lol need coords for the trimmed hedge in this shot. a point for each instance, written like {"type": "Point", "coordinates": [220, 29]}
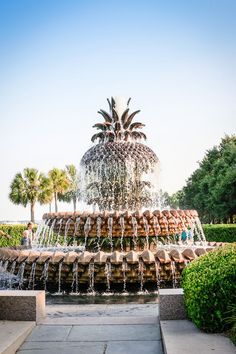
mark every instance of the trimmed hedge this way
{"type": "Point", "coordinates": [209, 284]}
{"type": "Point", "coordinates": [15, 233]}
{"type": "Point", "coordinates": [220, 232]}
{"type": "Point", "coordinates": [215, 233]}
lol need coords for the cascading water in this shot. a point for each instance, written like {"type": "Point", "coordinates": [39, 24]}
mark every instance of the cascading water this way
{"type": "Point", "coordinates": [119, 242]}
{"type": "Point", "coordinates": [75, 281]}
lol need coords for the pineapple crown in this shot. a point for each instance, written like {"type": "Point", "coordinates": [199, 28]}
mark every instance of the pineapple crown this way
{"type": "Point", "coordinates": [118, 127]}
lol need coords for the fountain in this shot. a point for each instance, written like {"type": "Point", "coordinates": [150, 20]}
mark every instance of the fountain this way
{"type": "Point", "coordinates": [124, 241]}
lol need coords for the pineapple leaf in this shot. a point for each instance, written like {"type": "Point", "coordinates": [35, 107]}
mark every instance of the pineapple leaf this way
{"type": "Point", "coordinates": [117, 126]}
{"type": "Point", "coordinates": [138, 135]}
{"type": "Point", "coordinates": [110, 135]}
{"type": "Point", "coordinates": [115, 115]}
{"type": "Point", "coordinates": [124, 116]}
{"type": "Point", "coordinates": [105, 115]}
{"type": "Point", "coordinates": [136, 125]}
{"type": "Point", "coordinates": [113, 103]}
{"type": "Point", "coordinates": [101, 126]}
{"type": "Point", "coordinates": [143, 136]}
{"type": "Point", "coordinates": [109, 102]}
{"type": "Point", "coordinates": [129, 119]}
{"type": "Point", "coordinates": [127, 135]}
{"type": "Point", "coordinates": [99, 136]}
{"type": "Point", "coordinates": [128, 102]}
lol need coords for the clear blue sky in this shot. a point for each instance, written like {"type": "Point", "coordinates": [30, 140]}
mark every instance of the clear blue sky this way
{"type": "Point", "coordinates": [60, 60]}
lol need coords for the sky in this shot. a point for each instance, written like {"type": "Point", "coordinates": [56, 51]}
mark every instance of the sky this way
{"type": "Point", "coordinates": [60, 60]}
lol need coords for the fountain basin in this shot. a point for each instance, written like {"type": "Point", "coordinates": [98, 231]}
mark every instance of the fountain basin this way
{"type": "Point", "coordinates": [71, 270]}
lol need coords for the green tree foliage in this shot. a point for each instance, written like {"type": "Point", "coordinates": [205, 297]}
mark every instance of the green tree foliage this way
{"type": "Point", "coordinates": [174, 200]}
{"type": "Point", "coordinates": [72, 194]}
{"type": "Point", "coordinates": [211, 189]}
{"type": "Point", "coordinates": [59, 183]}
{"type": "Point", "coordinates": [30, 187]}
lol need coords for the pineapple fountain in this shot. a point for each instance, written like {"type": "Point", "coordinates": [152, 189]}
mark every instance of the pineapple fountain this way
{"type": "Point", "coordinates": [124, 242]}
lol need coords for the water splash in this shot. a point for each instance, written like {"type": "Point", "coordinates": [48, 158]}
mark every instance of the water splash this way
{"type": "Point", "coordinates": [87, 228]}
{"type": "Point", "coordinates": [32, 276]}
{"type": "Point", "coordinates": [44, 275]}
{"type": "Point", "coordinates": [75, 280]}
{"type": "Point", "coordinates": [20, 275]}
{"type": "Point", "coordinates": [91, 277]}
{"type": "Point", "coordinates": [66, 231]}
{"type": "Point", "coordinates": [59, 277]}
{"type": "Point", "coordinates": [124, 270]}
{"type": "Point", "coordinates": [99, 226]}
{"type": "Point", "coordinates": [110, 226]}
{"type": "Point", "coordinates": [108, 274]}
{"type": "Point", "coordinates": [135, 231]}
{"type": "Point", "coordinates": [146, 228]}
{"type": "Point", "coordinates": [122, 226]}
{"type": "Point", "coordinates": [158, 276]}
{"type": "Point", "coordinates": [173, 273]}
{"type": "Point", "coordinates": [141, 273]}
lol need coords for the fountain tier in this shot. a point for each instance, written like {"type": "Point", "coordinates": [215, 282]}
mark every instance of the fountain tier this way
{"type": "Point", "coordinates": [72, 270]}
{"type": "Point", "coordinates": [138, 227]}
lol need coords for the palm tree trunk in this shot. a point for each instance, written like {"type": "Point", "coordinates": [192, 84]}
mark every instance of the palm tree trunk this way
{"type": "Point", "coordinates": [32, 212]}
{"type": "Point", "coordinates": [74, 204]}
{"type": "Point", "coordinates": [55, 199]}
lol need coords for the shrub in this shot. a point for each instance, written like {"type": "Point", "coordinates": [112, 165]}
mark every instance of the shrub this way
{"type": "Point", "coordinates": [209, 284]}
{"type": "Point", "coordinates": [220, 232]}
{"type": "Point", "coordinates": [15, 233]}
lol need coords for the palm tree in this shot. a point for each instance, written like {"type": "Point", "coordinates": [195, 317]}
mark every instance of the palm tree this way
{"type": "Point", "coordinates": [30, 187]}
{"type": "Point", "coordinates": [60, 183]}
{"type": "Point", "coordinates": [72, 194]}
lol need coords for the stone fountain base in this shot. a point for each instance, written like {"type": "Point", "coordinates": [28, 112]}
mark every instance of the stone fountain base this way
{"type": "Point", "coordinates": [38, 269]}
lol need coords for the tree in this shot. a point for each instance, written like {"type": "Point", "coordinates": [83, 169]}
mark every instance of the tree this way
{"type": "Point", "coordinates": [162, 199]}
{"type": "Point", "coordinates": [211, 189]}
{"type": "Point", "coordinates": [72, 193]}
{"type": "Point", "coordinates": [175, 199]}
{"type": "Point", "coordinates": [59, 182]}
{"type": "Point", "coordinates": [29, 188]}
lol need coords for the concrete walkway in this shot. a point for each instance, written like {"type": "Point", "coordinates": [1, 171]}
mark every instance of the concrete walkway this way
{"type": "Point", "coordinates": [97, 329]}
{"type": "Point", "coordinates": [185, 338]}
{"type": "Point", "coordinates": [13, 334]}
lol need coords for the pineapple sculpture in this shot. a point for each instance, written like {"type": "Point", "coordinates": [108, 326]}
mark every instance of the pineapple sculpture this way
{"type": "Point", "coordinates": [115, 171]}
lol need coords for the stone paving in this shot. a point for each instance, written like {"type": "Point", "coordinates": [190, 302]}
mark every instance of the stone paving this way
{"type": "Point", "coordinates": [97, 329]}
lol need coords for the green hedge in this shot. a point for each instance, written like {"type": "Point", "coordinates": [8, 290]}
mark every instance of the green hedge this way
{"type": "Point", "coordinates": [220, 232]}
{"type": "Point", "coordinates": [217, 233]}
{"type": "Point", "coordinates": [209, 284]}
{"type": "Point", "coordinates": [15, 233]}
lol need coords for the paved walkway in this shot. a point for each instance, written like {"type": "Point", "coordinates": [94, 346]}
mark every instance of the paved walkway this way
{"type": "Point", "coordinates": [183, 337]}
{"type": "Point", "coordinates": [97, 329]}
